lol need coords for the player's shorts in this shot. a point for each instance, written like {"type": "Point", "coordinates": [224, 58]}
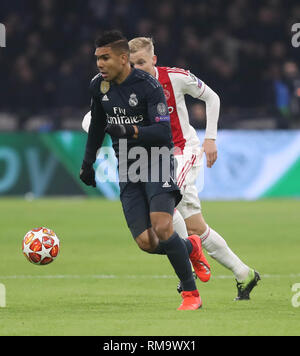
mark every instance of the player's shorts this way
{"type": "Point", "coordinates": [139, 199]}
{"type": "Point", "coordinates": [189, 166]}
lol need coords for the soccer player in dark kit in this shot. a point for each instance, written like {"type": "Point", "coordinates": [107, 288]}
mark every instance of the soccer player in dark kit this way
{"type": "Point", "coordinates": [129, 104]}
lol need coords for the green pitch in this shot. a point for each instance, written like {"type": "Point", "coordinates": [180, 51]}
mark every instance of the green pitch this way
{"type": "Point", "coordinates": [102, 284]}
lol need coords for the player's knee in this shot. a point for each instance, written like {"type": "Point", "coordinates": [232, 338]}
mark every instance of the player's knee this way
{"type": "Point", "coordinates": [163, 228]}
{"type": "Point", "coordinates": [196, 226]}
{"type": "Point", "coordinates": [146, 247]}
{"type": "Point", "coordinates": [146, 243]}
{"type": "Point", "coordinates": [195, 231]}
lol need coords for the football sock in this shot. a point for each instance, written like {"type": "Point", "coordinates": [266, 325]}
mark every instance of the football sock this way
{"type": "Point", "coordinates": [218, 249]}
{"type": "Point", "coordinates": [160, 249]}
{"type": "Point", "coordinates": [178, 256]}
{"type": "Point", "coordinates": [179, 224]}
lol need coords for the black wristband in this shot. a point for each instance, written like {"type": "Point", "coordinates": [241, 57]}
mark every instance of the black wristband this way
{"type": "Point", "coordinates": [86, 165]}
{"type": "Point", "coordinates": [120, 131]}
{"type": "Point", "coordinates": [129, 131]}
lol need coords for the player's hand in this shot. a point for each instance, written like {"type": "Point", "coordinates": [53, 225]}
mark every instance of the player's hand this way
{"type": "Point", "coordinates": [87, 174]}
{"type": "Point", "coordinates": [120, 131]}
{"type": "Point", "coordinates": [211, 152]}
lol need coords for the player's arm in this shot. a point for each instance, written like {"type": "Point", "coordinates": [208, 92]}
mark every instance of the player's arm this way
{"type": "Point", "coordinates": [159, 130]}
{"type": "Point", "coordinates": [96, 132]}
{"type": "Point", "coordinates": [198, 89]}
{"type": "Point", "coordinates": [94, 142]}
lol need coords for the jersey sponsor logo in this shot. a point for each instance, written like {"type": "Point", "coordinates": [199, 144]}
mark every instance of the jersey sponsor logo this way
{"type": "Point", "coordinates": [162, 109]}
{"type": "Point", "coordinates": [105, 98]}
{"type": "Point", "coordinates": [121, 120]}
{"type": "Point", "coordinates": [133, 100]}
{"type": "Point", "coordinates": [120, 117]}
{"type": "Point", "coordinates": [104, 87]}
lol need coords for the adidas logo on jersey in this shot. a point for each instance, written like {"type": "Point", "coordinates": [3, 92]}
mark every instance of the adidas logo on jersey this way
{"type": "Point", "coordinates": [105, 98]}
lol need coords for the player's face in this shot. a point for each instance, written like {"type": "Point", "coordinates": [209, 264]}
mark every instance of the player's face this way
{"type": "Point", "coordinates": [143, 60]}
{"type": "Point", "coordinates": [110, 63]}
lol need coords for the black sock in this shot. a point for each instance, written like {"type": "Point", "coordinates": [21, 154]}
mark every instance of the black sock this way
{"type": "Point", "coordinates": [176, 250]}
{"type": "Point", "coordinates": [160, 249]}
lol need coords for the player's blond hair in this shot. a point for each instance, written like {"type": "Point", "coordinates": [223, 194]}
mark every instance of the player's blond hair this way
{"type": "Point", "coordinates": [138, 43]}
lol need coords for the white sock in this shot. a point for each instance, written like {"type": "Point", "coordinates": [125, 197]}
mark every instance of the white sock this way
{"type": "Point", "coordinates": [179, 224]}
{"type": "Point", "coordinates": [218, 249]}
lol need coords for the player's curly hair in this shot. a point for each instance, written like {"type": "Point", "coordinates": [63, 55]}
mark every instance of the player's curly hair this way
{"type": "Point", "coordinates": [114, 39]}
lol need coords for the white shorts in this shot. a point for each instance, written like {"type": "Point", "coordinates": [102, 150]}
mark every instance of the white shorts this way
{"type": "Point", "coordinates": [189, 166]}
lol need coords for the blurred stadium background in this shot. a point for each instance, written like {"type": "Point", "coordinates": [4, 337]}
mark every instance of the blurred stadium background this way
{"type": "Point", "coordinates": [240, 48]}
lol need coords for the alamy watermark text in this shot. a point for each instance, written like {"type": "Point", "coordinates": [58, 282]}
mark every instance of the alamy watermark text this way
{"type": "Point", "coordinates": [296, 37]}
{"type": "Point", "coordinates": [2, 35]}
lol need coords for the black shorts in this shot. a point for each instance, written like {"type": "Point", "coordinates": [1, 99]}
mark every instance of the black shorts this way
{"type": "Point", "coordinates": [141, 198]}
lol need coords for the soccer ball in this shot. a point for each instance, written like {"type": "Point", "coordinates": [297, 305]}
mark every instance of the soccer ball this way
{"type": "Point", "coordinates": [40, 246]}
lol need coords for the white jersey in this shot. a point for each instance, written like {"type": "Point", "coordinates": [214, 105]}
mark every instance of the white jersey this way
{"type": "Point", "coordinates": [176, 84]}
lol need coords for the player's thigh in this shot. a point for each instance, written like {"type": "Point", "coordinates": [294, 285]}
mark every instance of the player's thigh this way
{"type": "Point", "coordinates": [136, 209]}
{"type": "Point", "coordinates": [188, 167]}
{"type": "Point", "coordinates": [190, 203]}
{"type": "Point", "coordinates": [162, 198]}
{"type": "Point", "coordinates": [161, 214]}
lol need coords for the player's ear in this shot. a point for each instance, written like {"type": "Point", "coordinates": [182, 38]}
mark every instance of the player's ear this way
{"type": "Point", "coordinates": [124, 58]}
{"type": "Point", "coordinates": [154, 60]}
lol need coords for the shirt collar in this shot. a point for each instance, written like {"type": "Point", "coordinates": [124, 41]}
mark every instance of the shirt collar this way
{"type": "Point", "coordinates": [156, 73]}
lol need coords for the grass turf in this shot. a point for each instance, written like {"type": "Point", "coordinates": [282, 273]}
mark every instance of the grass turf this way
{"type": "Point", "coordinates": [102, 284]}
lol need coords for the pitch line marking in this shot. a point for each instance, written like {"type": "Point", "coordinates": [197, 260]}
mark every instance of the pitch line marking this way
{"type": "Point", "coordinates": [111, 276]}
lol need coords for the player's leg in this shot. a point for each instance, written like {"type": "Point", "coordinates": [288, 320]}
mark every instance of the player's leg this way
{"type": "Point", "coordinates": [148, 241]}
{"type": "Point", "coordinates": [215, 244]}
{"type": "Point", "coordinates": [161, 216]}
{"type": "Point", "coordinates": [160, 203]}
{"type": "Point", "coordinates": [212, 242]}
{"type": "Point", "coordinates": [180, 228]}
{"type": "Point", "coordinates": [179, 224]}
{"type": "Point", "coordinates": [137, 214]}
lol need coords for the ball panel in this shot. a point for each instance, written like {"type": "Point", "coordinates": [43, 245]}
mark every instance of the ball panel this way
{"type": "Point", "coordinates": [46, 260]}
{"type": "Point", "coordinates": [48, 242]}
{"type": "Point", "coordinates": [54, 251]}
{"type": "Point", "coordinates": [34, 257]}
{"type": "Point", "coordinates": [29, 236]}
{"type": "Point", "coordinates": [36, 245]}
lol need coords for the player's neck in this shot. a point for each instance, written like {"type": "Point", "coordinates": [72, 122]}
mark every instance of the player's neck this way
{"type": "Point", "coordinates": [153, 72]}
{"type": "Point", "coordinates": [125, 73]}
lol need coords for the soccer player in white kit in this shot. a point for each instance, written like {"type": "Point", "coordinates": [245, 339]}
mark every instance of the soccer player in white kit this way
{"type": "Point", "coordinates": [188, 219]}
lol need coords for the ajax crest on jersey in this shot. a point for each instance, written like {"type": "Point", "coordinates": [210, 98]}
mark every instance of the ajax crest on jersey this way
{"type": "Point", "coordinates": [133, 100]}
{"type": "Point", "coordinates": [167, 94]}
